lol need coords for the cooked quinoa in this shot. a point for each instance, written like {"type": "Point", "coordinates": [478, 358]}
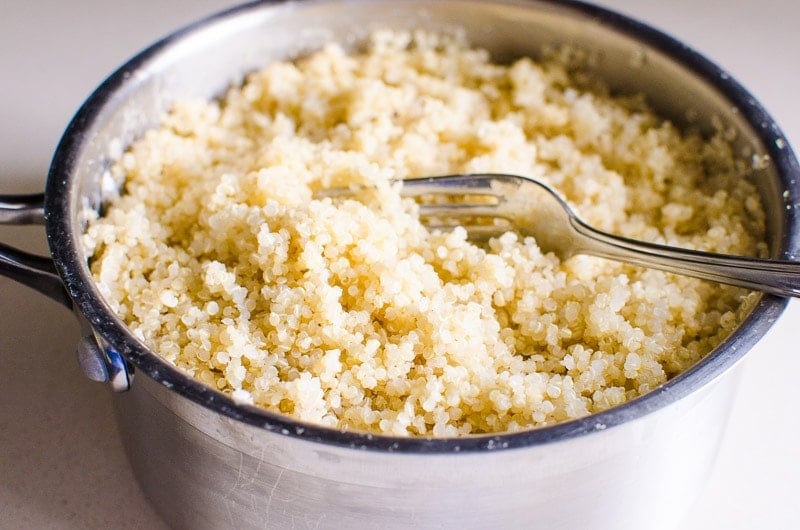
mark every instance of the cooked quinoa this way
{"type": "Point", "coordinates": [350, 313]}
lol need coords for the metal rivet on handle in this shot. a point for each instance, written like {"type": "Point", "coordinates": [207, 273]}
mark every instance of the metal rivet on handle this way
{"type": "Point", "coordinates": [91, 360]}
{"type": "Point", "coordinates": [103, 364]}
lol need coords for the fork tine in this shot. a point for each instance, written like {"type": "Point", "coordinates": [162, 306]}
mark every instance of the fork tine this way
{"type": "Point", "coordinates": [449, 185]}
{"type": "Point", "coordinates": [447, 216]}
{"type": "Point", "coordinates": [459, 210]}
{"type": "Point", "coordinates": [474, 232]}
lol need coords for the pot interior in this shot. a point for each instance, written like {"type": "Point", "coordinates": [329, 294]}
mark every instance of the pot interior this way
{"type": "Point", "coordinates": [205, 59]}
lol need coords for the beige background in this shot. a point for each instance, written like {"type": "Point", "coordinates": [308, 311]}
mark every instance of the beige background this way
{"type": "Point", "coordinates": [61, 462]}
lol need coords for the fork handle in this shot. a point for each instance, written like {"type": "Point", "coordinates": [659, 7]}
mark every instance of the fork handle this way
{"type": "Point", "coordinates": [777, 277]}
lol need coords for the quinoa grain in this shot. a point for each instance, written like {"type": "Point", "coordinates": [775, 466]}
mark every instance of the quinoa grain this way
{"type": "Point", "coordinates": [351, 314]}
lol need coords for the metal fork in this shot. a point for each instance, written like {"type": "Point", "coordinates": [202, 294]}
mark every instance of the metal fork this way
{"type": "Point", "coordinates": [532, 208]}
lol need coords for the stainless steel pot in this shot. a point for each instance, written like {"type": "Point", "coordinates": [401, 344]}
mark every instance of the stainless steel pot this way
{"type": "Point", "coordinates": [205, 462]}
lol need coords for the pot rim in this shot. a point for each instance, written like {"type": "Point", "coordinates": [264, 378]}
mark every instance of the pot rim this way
{"type": "Point", "coordinates": [64, 243]}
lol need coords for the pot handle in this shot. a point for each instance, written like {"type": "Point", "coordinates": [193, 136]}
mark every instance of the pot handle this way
{"type": "Point", "coordinates": [37, 272]}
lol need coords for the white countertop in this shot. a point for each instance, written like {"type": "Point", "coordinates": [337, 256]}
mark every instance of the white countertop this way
{"type": "Point", "coordinates": [61, 459]}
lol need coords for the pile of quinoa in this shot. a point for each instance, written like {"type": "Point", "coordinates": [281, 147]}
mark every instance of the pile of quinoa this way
{"type": "Point", "coordinates": [348, 312]}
